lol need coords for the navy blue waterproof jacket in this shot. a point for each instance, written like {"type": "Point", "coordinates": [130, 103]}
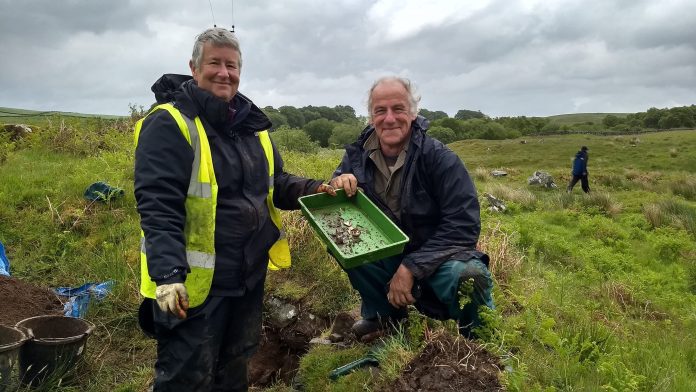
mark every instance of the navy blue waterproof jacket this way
{"type": "Point", "coordinates": [439, 207]}
{"type": "Point", "coordinates": [163, 160]}
{"type": "Point", "coordinates": [580, 163]}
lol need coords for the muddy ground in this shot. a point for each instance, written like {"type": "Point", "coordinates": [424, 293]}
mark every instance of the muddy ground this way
{"type": "Point", "coordinates": [445, 364]}
{"type": "Point", "coordinates": [20, 300]}
{"type": "Point", "coordinates": [450, 364]}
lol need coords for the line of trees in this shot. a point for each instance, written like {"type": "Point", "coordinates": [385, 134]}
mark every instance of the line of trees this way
{"type": "Point", "coordinates": [311, 127]}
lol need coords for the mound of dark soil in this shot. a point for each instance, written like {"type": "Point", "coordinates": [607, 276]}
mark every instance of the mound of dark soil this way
{"type": "Point", "coordinates": [20, 300]}
{"type": "Point", "coordinates": [280, 349]}
{"type": "Point", "coordinates": [451, 364]}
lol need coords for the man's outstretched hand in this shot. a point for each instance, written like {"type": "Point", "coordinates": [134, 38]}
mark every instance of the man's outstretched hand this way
{"type": "Point", "coordinates": [173, 298]}
{"type": "Point", "coordinates": [347, 182]}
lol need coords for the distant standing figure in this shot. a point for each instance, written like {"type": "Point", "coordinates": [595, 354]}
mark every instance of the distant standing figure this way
{"type": "Point", "coordinates": [580, 170]}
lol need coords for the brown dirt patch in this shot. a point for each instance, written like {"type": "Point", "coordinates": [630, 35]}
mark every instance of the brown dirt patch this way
{"type": "Point", "coordinates": [280, 349]}
{"type": "Point", "coordinates": [20, 300]}
{"type": "Point", "coordinates": [450, 364]}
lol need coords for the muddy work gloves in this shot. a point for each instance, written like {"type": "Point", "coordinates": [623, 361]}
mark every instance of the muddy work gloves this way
{"type": "Point", "coordinates": [173, 298]}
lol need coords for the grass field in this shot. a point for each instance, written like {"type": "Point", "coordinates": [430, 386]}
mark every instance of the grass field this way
{"type": "Point", "coordinates": [594, 292]}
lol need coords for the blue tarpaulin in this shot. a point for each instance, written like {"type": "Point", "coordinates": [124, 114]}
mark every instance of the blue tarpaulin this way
{"type": "Point", "coordinates": [79, 297]}
{"type": "Point", "coordinates": [4, 263]}
{"type": "Point", "coordinates": [101, 191]}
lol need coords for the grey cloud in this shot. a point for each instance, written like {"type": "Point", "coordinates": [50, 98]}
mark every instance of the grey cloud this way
{"type": "Point", "coordinates": [504, 58]}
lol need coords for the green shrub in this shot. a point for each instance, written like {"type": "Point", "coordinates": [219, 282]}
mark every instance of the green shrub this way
{"type": "Point", "coordinates": [320, 130]}
{"type": "Point", "coordinates": [294, 140]}
{"type": "Point", "coordinates": [344, 134]}
{"type": "Point", "coordinates": [601, 229]}
{"type": "Point", "coordinates": [443, 134]}
{"type": "Point", "coordinates": [669, 243]}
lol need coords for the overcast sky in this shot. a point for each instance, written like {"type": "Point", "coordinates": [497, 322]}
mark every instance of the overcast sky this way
{"type": "Point", "coordinates": [503, 57]}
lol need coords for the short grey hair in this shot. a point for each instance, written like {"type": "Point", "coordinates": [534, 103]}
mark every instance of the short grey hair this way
{"type": "Point", "coordinates": [218, 37]}
{"type": "Point", "coordinates": [413, 98]}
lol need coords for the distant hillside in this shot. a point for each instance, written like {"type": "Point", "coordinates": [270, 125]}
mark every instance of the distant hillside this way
{"type": "Point", "coordinates": [575, 118]}
{"type": "Point", "coordinates": [13, 115]}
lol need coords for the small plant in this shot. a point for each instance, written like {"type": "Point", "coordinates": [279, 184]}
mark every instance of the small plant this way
{"type": "Point", "coordinates": [489, 329]}
{"type": "Point", "coordinates": [464, 292]}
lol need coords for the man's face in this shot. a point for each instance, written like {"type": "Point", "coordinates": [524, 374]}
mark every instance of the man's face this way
{"type": "Point", "coordinates": [219, 71]}
{"type": "Point", "coordinates": [391, 114]}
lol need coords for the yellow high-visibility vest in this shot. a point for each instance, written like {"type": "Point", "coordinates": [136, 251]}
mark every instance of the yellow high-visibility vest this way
{"type": "Point", "coordinates": [201, 207]}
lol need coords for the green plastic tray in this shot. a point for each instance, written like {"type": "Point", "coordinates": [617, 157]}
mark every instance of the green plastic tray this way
{"type": "Point", "coordinates": [355, 230]}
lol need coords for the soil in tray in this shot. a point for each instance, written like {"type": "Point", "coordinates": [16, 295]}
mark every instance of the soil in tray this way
{"type": "Point", "coordinates": [350, 230]}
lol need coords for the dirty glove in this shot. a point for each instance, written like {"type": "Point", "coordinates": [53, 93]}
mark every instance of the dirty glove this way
{"type": "Point", "coordinates": [173, 298]}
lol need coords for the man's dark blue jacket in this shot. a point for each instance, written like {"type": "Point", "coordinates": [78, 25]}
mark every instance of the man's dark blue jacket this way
{"type": "Point", "coordinates": [439, 206]}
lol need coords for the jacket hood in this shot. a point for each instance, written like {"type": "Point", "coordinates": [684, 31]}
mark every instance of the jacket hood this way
{"type": "Point", "coordinates": [166, 85]}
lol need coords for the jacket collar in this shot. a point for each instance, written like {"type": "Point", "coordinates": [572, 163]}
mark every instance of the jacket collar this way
{"type": "Point", "coordinates": [239, 115]}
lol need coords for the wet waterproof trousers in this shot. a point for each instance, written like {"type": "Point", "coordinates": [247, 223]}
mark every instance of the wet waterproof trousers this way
{"type": "Point", "coordinates": [210, 349]}
{"type": "Point", "coordinates": [439, 296]}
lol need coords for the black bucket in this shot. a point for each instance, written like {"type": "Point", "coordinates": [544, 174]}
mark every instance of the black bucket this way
{"type": "Point", "coordinates": [59, 343]}
{"type": "Point", "coordinates": [11, 339]}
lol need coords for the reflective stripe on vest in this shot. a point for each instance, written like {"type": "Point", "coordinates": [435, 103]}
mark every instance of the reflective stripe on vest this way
{"type": "Point", "coordinates": [279, 254]}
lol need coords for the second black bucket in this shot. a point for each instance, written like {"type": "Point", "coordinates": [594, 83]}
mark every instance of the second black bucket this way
{"type": "Point", "coordinates": [11, 339]}
{"type": "Point", "coordinates": [59, 343]}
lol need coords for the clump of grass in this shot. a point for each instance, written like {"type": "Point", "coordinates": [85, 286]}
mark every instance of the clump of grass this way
{"type": "Point", "coordinates": [673, 152]}
{"type": "Point", "coordinates": [646, 180]}
{"type": "Point", "coordinates": [671, 212]}
{"type": "Point", "coordinates": [393, 356]}
{"type": "Point", "coordinates": [630, 303]}
{"type": "Point", "coordinates": [505, 259]}
{"type": "Point", "coordinates": [561, 200]}
{"type": "Point", "coordinates": [685, 188]}
{"type": "Point", "coordinates": [100, 135]}
{"type": "Point", "coordinates": [481, 174]}
{"type": "Point", "coordinates": [587, 341]}
{"type": "Point", "coordinates": [523, 197]}
{"type": "Point", "coordinates": [601, 201]}
{"type": "Point", "coordinates": [612, 180]}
